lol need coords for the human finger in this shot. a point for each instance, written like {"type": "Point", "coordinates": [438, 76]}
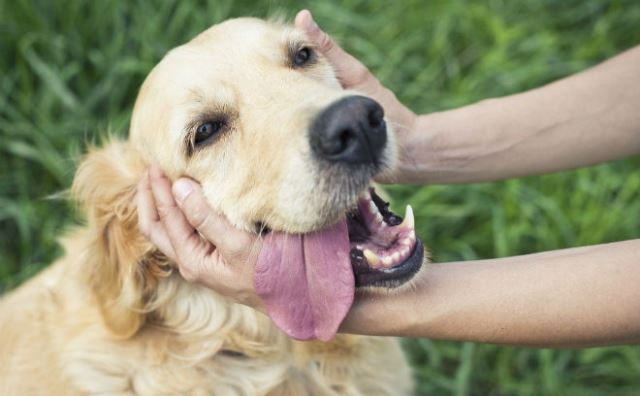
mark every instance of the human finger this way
{"type": "Point", "coordinates": [214, 227]}
{"type": "Point", "coordinates": [148, 219]}
{"type": "Point", "coordinates": [189, 247]}
{"type": "Point", "coordinates": [350, 71]}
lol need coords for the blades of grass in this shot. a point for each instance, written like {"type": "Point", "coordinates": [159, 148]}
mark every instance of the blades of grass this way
{"type": "Point", "coordinates": [464, 371]}
{"type": "Point", "coordinates": [50, 77]}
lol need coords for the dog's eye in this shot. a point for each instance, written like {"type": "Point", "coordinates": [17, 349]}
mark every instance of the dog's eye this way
{"type": "Point", "coordinates": [208, 130]}
{"type": "Point", "coordinates": [302, 56]}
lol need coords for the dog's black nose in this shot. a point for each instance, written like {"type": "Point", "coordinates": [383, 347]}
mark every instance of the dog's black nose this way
{"type": "Point", "coordinates": [351, 130]}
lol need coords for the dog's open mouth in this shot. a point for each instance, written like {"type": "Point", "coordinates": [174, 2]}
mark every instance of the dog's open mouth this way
{"type": "Point", "coordinates": [384, 249]}
{"type": "Point", "coordinates": [308, 281]}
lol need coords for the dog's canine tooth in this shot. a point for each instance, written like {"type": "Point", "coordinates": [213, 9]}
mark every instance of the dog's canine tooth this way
{"type": "Point", "coordinates": [408, 221]}
{"type": "Point", "coordinates": [371, 257]}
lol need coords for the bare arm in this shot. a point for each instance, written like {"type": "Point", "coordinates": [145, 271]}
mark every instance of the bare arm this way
{"type": "Point", "coordinates": [565, 298]}
{"type": "Point", "coordinates": [584, 119]}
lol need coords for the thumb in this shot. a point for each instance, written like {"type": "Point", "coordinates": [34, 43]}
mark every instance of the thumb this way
{"type": "Point", "coordinates": [215, 228]}
{"type": "Point", "coordinates": [349, 70]}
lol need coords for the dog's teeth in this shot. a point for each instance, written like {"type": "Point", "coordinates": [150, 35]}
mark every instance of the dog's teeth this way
{"type": "Point", "coordinates": [373, 208]}
{"type": "Point", "coordinates": [371, 257]}
{"type": "Point", "coordinates": [408, 221]}
{"type": "Point", "coordinates": [387, 261]}
{"type": "Point", "coordinates": [396, 257]}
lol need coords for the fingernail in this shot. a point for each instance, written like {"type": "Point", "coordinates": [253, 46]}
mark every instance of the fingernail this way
{"type": "Point", "coordinates": [309, 24]}
{"type": "Point", "coordinates": [181, 190]}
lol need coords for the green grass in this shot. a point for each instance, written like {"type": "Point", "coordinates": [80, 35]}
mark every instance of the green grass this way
{"type": "Point", "coordinates": [71, 69]}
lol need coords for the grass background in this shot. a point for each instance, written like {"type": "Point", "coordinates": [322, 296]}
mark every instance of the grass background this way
{"type": "Point", "coordinates": [71, 69]}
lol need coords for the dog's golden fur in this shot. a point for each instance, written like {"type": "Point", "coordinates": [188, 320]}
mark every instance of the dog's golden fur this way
{"type": "Point", "coordinates": [114, 317]}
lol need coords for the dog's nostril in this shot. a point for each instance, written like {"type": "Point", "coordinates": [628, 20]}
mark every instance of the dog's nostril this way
{"type": "Point", "coordinates": [346, 139]}
{"type": "Point", "coordinates": [341, 142]}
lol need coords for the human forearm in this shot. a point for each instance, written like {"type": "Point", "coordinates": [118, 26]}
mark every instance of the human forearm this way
{"type": "Point", "coordinates": [587, 118]}
{"type": "Point", "coordinates": [574, 297]}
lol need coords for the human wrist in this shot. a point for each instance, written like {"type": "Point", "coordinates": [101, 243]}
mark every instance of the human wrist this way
{"type": "Point", "coordinates": [418, 152]}
{"type": "Point", "coordinates": [449, 146]}
{"type": "Point", "coordinates": [375, 314]}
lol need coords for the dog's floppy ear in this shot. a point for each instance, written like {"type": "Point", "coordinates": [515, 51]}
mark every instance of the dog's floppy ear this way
{"type": "Point", "coordinates": [122, 265]}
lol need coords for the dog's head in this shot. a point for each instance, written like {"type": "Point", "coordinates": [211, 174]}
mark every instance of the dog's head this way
{"type": "Point", "coordinates": [254, 112]}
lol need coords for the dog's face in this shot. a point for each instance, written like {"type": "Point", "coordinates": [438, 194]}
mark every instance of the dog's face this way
{"type": "Point", "coordinates": [255, 113]}
{"type": "Point", "coordinates": [235, 109]}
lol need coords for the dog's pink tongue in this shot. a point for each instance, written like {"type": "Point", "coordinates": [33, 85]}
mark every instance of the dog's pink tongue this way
{"type": "Point", "coordinates": [306, 281]}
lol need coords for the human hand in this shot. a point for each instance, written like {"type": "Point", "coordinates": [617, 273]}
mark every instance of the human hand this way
{"type": "Point", "coordinates": [352, 74]}
{"type": "Point", "coordinates": [205, 247]}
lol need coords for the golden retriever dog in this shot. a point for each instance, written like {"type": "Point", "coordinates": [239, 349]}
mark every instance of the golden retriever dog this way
{"type": "Point", "coordinates": [254, 113]}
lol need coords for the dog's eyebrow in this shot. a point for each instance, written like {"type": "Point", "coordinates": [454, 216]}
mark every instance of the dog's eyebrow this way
{"type": "Point", "coordinates": [196, 95]}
